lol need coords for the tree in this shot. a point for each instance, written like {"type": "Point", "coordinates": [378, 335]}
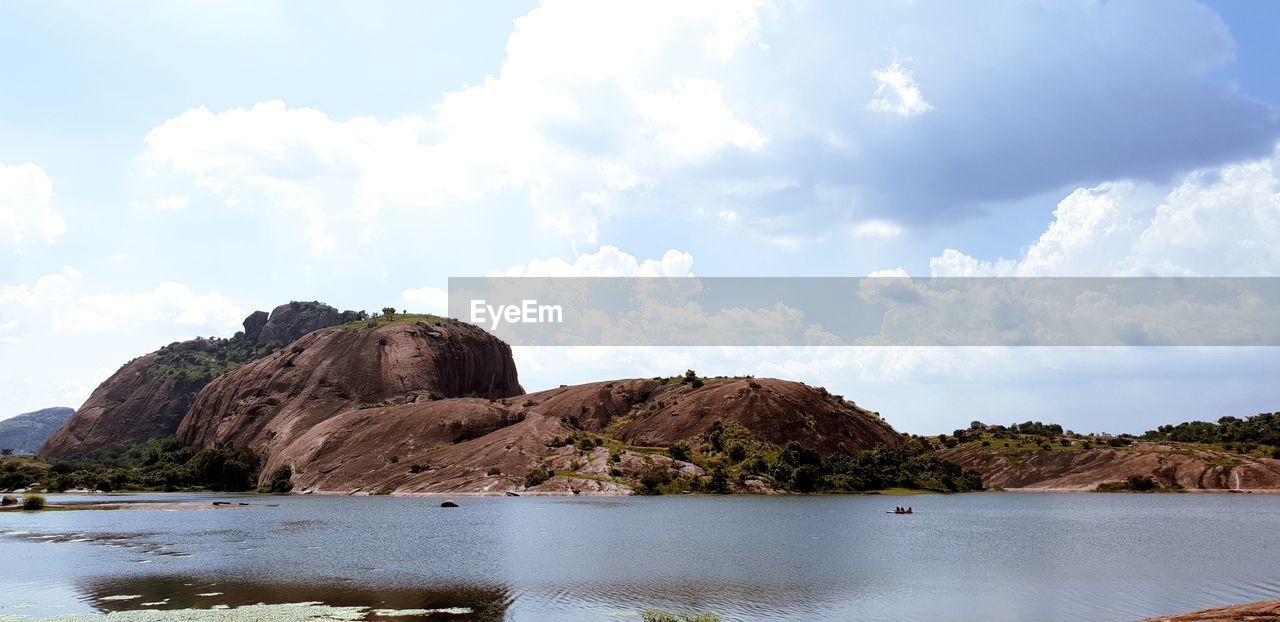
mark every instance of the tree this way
{"type": "Point", "coordinates": [7, 451]}
{"type": "Point", "coordinates": [390, 312]}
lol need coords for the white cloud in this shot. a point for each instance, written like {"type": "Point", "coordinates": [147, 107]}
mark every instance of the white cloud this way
{"type": "Point", "coordinates": [877, 229]}
{"type": "Point", "coordinates": [168, 202]}
{"type": "Point", "coordinates": [59, 300]}
{"type": "Point", "coordinates": [584, 109]}
{"type": "Point", "coordinates": [26, 193]}
{"type": "Point", "coordinates": [606, 261]}
{"type": "Point", "coordinates": [427, 299]}
{"type": "Point", "coordinates": [897, 92]}
{"type": "Point", "coordinates": [1215, 222]}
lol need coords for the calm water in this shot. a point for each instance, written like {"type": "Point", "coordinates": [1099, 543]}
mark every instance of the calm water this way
{"type": "Point", "coordinates": [984, 556]}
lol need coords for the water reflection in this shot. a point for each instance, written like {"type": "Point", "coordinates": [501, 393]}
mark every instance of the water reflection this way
{"type": "Point", "coordinates": [480, 603]}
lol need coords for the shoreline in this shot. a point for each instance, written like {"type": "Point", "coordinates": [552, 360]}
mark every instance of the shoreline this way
{"type": "Point", "coordinates": [1260, 611]}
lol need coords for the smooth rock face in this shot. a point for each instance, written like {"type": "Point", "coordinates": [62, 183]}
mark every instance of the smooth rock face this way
{"type": "Point", "coordinates": [138, 402]}
{"type": "Point", "coordinates": [149, 396]}
{"type": "Point", "coordinates": [25, 433]}
{"type": "Point", "coordinates": [483, 446]}
{"type": "Point", "coordinates": [276, 400]}
{"type": "Point", "coordinates": [1085, 470]}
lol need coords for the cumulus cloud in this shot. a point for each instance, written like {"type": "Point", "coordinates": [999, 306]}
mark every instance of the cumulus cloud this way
{"type": "Point", "coordinates": [26, 195]}
{"type": "Point", "coordinates": [427, 299]}
{"type": "Point", "coordinates": [897, 92]}
{"type": "Point", "coordinates": [585, 107]}
{"type": "Point", "coordinates": [1220, 221]}
{"type": "Point", "coordinates": [599, 108]}
{"type": "Point", "coordinates": [60, 300]}
{"type": "Point", "coordinates": [608, 260]}
{"type": "Point", "coordinates": [877, 228]}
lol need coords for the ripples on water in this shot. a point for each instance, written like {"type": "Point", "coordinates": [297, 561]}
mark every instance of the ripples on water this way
{"type": "Point", "coordinates": [962, 557]}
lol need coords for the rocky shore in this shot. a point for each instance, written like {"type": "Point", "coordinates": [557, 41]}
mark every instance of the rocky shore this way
{"type": "Point", "coordinates": [1265, 611]}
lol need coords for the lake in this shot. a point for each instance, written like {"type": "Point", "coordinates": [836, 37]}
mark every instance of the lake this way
{"type": "Point", "coordinates": [986, 556]}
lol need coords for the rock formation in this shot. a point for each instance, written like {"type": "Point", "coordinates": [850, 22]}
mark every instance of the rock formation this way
{"type": "Point", "coordinates": [271, 402]}
{"type": "Point", "coordinates": [148, 397]}
{"type": "Point", "coordinates": [489, 446]}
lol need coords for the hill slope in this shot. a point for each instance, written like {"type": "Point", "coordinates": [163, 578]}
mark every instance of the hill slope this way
{"type": "Point", "coordinates": [25, 433]}
{"type": "Point", "coordinates": [148, 396]}
{"type": "Point", "coordinates": [594, 438]}
{"type": "Point", "coordinates": [270, 402]}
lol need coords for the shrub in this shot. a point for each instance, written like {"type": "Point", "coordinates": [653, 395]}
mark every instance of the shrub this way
{"type": "Point", "coordinates": [417, 468]}
{"type": "Point", "coordinates": [495, 471]}
{"type": "Point", "coordinates": [679, 451]}
{"type": "Point", "coordinates": [651, 481]}
{"type": "Point", "coordinates": [33, 502]}
{"type": "Point", "coordinates": [281, 481]}
{"type": "Point", "coordinates": [536, 477]}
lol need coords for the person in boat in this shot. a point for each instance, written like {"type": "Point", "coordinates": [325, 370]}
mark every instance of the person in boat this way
{"type": "Point", "coordinates": [908, 510]}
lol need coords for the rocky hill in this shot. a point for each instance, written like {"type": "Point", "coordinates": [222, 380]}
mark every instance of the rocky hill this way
{"type": "Point", "coordinates": [148, 397]}
{"type": "Point", "coordinates": [269, 403]}
{"type": "Point", "coordinates": [25, 433]}
{"type": "Point", "coordinates": [602, 437]}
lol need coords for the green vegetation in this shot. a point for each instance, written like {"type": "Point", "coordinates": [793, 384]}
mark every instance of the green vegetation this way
{"type": "Point", "coordinates": [655, 615]}
{"type": "Point", "coordinates": [281, 481]}
{"type": "Point", "coordinates": [1027, 438]}
{"type": "Point", "coordinates": [730, 455]}
{"type": "Point", "coordinates": [1257, 434]}
{"type": "Point", "coordinates": [158, 464]}
{"type": "Point", "coordinates": [424, 320]}
{"type": "Point", "coordinates": [207, 359]}
{"type": "Point", "coordinates": [1137, 483]}
{"type": "Point", "coordinates": [33, 502]}
{"type": "Point", "coordinates": [536, 477]}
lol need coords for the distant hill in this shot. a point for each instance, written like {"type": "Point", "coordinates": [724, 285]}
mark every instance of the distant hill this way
{"type": "Point", "coordinates": [25, 433]}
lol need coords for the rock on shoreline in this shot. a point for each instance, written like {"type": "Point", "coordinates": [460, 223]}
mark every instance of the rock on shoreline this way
{"type": "Point", "coordinates": [1267, 610]}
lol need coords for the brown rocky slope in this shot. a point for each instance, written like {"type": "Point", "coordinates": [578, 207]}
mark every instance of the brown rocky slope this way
{"type": "Point", "coordinates": [1169, 465]}
{"type": "Point", "coordinates": [489, 446]}
{"type": "Point", "coordinates": [148, 396]}
{"type": "Point", "coordinates": [271, 402]}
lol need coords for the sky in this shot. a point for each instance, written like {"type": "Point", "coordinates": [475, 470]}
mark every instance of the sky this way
{"type": "Point", "coordinates": [168, 167]}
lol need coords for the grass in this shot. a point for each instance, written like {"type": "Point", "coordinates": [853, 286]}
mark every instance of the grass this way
{"type": "Point", "coordinates": [1226, 463]}
{"type": "Point", "coordinates": [655, 615]}
{"type": "Point", "coordinates": [399, 318]}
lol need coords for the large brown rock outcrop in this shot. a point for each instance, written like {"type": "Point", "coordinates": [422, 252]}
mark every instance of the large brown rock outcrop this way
{"type": "Point", "coordinates": [144, 399]}
{"type": "Point", "coordinates": [289, 322]}
{"type": "Point", "coordinates": [271, 402]}
{"type": "Point", "coordinates": [487, 446]}
{"type": "Point", "coordinates": [148, 397]}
